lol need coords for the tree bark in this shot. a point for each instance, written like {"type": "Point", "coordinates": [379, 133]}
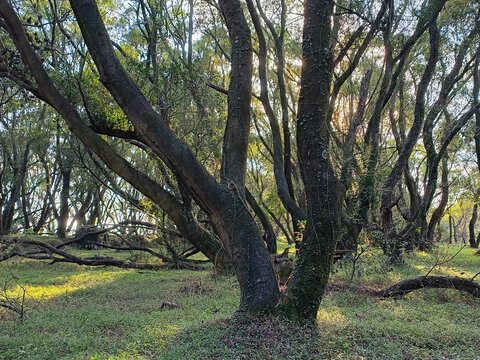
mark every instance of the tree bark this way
{"type": "Point", "coordinates": [224, 202]}
{"type": "Point", "coordinates": [471, 227]}
{"type": "Point", "coordinates": [450, 230]}
{"type": "Point", "coordinates": [309, 279]}
{"type": "Point", "coordinates": [269, 235]}
{"type": "Point", "coordinates": [437, 282]}
{"type": "Point", "coordinates": [439, 211]}
{"type": "Point", "coordinates": [19, 173]}
{"type": "Point", "coordinates": [64, 208]}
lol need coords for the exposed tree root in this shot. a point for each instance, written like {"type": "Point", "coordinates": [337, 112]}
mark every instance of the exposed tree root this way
{"type": "Point", "coordinates": [437, 282]}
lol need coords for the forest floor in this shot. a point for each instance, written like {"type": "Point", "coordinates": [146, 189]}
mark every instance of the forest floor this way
{"type": "Point", "coordinates": [77, 312]}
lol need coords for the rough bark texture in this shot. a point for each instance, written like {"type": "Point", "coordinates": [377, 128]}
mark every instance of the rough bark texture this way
{"type": "Point", "coordinates": [438, 282]}
{"type": "Point", "coordinates": [309, 279]}
{"type": "Point", "coordinates": [235, 140]}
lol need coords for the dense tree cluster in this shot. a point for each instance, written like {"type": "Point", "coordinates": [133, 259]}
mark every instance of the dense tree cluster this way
{"type": "Point", "coordinates": [227, 125]}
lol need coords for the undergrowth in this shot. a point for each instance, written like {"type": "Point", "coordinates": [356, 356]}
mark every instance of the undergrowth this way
{"type": "Point", "coordinates": [76, 312]}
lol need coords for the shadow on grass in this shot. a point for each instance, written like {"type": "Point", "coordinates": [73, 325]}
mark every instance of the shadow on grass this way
{"type": "Point", "coordinates": [116, 312]}
{"type": "Point", "coordinates": [118, 315]}
{"type": "Point", "coordinates": [258, 338]}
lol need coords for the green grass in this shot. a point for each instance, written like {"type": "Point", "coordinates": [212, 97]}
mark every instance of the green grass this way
{"type": "Point", "coordinates": [77, 312]}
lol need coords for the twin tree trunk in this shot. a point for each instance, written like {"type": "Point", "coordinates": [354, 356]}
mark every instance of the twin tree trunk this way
{"type": "Point", "coordinates": [223, 201]}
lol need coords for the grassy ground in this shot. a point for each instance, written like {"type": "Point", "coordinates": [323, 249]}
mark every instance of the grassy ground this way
{"type": "Point", "coordinates": [76, 312]}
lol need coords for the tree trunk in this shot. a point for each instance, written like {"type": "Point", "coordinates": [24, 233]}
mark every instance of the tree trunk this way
{"type": "Point", "coordinates": [450, 230]}
{"type": "Point", "coordinates": [412, 137]}
{"type": "Point", "coordinates": [19, 173]}
{"type": "Point", "coordinates": [64, 209]}
{"type": "Point", "coordinates": [476, 91]}
{"type": "Point", "coordinates": [471, 227]}
{"type": "Point", "coordinates": [224, 202]}
{"type": "Point", "coordinates": [79, 218]}
{"type": "Point", "coordinates": [309, 279]}
{"type": "Point", "coordinates": [439, 211]}
{"type": "Point", "coordinates": [269, 235]}
{"type": "Point", "coordinates": [25, 206]}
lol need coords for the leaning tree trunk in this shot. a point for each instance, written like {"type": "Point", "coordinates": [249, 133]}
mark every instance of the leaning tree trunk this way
{"type": "Point", "coordinates": [476, 91]}
{"type": "Point", "coordinates": [129, 95]}
{"type": "Point", "coordinates": [225, 201]}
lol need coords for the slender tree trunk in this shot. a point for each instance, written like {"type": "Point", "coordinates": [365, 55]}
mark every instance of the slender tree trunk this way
{"type": "Point", "coordinates": [64, 208]}
{"type": "Point", "coordinates": [269, 235]}
{"type": "Point", "coordinates": [476, 92]}
{"type": "Point", "coordinates": [455, 232]}
{"type": "Point", "coordinates": [471, 227]}
{"type": "Point", "coordinates": [450, 229]}
{"type": "Point", "coordinates": [94, 217]}
{"type": "Point", "coordinates": [284, 189]}
{"type": "Point", "coordinates": [25, 206]}
{"type": "Point", "coordinates": [47, 206]}
{"type": "Point", "coordinates": [439, 211]}
{"type": "Point", "coordinates": [190, 33]}
{"type": "Point", "coordinates": [79, 218]}
{"type": "Point", "coordinates": [19, 173]}
{"type": "Point", "coordinates": [412, 137]}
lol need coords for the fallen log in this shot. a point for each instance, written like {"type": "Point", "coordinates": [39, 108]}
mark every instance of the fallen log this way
{"type": "Point", "coordinates": [434, 282]}
{"type": "Point", "coordinates": [46, 251]}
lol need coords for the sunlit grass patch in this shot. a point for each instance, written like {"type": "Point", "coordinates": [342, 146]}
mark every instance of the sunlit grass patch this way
{"type": "Point", "coordinates": [331, 317]}
{"type": "Point", "coordinates": [107, 313]}
{"type": "Point", "coordinates": [63, 285]}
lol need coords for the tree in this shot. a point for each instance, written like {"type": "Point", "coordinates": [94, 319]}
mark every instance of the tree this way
{"type": "Point", "coordinates": [326, 192]}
